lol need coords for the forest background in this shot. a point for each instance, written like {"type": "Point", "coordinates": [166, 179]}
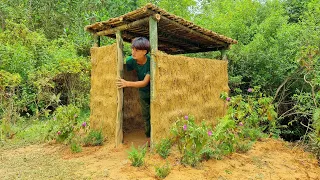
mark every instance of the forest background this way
{"type": "Point", "coordinates": [45, 58]}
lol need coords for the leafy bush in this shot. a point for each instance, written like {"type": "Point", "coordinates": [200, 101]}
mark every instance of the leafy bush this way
{"type": "Point", "coordinates": [136, 156]}
{"type": "Point", "coordinates": [163, 148]}
{"type": "Point", "coordinates": [162, 171]}
{"type": "Point", "coordinates": [39, 75]}
{"type": "Point", "coordinates": [94, 138]}
{"type": "Point", "coordinates": [253, 110]}
{"type": "Point", "coordinates": [191, 139]}
{"type": "Point", "coordinates": [64, 123]}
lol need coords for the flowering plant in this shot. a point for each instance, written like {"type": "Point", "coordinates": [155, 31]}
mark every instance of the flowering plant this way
{"type": "Point", "coordinates": [191, 139]}
{"type": "Point", "coordinates": [64, 123]}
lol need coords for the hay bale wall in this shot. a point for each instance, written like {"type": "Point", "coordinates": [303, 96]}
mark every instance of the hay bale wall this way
{"type": "Point", "coordinates": [183, 86]}
{"type": "Point", "coordinates": [103, 93]}
{"type": "Point", "coordinates": [132, 115]}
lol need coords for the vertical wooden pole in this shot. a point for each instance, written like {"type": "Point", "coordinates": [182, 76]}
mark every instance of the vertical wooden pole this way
{"type": "Point", "coordinates": [223, 55]}
{"type": "Point", "coordinates": [153, 32]}
{"type": "Point", "coordinates": [96, 39]}
{"type": "Point", "coordinates": [153, 37]}
{"type": "Point", "coordinates": [119, 120]}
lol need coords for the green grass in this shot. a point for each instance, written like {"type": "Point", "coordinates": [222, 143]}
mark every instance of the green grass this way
{"type": "Point", "coordinates": [30, 131]}
{"type": "Point", "coordinates": [35, 164]}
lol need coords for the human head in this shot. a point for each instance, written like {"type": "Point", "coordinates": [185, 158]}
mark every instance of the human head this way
{"type": "Point", "coordinates": [141, 43]}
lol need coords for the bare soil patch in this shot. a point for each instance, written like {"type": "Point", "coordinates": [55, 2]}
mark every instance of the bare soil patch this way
{"type": "Point", "coordinates": [268, 159]}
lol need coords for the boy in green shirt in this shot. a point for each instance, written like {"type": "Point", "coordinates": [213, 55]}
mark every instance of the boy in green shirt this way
{"type": "Point", "coordinates": [140, 62]}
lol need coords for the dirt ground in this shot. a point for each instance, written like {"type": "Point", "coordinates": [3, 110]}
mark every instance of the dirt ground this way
{"type": "Point", "coordinates": [268, 159]}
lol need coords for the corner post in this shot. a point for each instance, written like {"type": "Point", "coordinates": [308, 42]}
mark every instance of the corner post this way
{"type": "Point", "coordinates": [119, 120]}
{"type": "Point", "coordinates": [223, 55]}
{"type": "Point", "coordinates": [96, 39]}
{"type": "Point", "coordinates": [153, 37]}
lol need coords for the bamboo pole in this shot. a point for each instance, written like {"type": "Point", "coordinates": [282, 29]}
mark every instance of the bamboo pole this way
{"type": "Point", "coordinates": [119, 120]}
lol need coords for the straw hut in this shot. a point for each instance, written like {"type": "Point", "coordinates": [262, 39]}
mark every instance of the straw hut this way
{"type": "Point", "coordinates": [180, 85]}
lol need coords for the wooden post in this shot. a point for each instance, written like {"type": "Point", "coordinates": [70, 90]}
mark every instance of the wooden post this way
{"type": "Point", "coordinates": [96, 39]}
{"type": "Point", "coordinates": [223, 55]}
{"type": "Point", "coordinates": [153, 37]}
{"type": "Point", "coordinates": [119, 120]}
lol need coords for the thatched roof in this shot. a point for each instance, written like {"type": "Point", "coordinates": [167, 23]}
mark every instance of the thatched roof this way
{"type": "Point", "coordinates": [175, 34]}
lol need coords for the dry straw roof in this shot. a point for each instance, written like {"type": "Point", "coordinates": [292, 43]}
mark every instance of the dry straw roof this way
{"type": "Point", "coordinates": [175, 34]}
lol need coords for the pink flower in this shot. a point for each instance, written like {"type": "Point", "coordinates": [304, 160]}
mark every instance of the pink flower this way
{"type": "Point", "coordinates": [185, 127]}
{"type": "Point", "coordinates": [84, 124]}
{"type": "Point", "coordinates": [209, 133]}
{"type": "Point", "coordinates": [186, 117]}
{"type": "Point", "coordinates": [228, 99]}
{"type": "Point", "coordinates": [59, 132]}
{"type": "Point", "coordinates": [240, 124]}
{"type": "Point", "coordinates": [250, 90]}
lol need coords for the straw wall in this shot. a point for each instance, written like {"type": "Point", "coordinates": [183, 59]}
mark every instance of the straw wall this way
{"type": "Point", "coordinates": [103, 93]}
{"type": "Point", "coordinates": [186, 86]}
{"type": "Point", "coordinates": [132, 116]}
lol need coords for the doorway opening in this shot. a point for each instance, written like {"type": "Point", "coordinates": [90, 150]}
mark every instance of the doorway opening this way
{"type": "Point", "coordinates": [133, 123]}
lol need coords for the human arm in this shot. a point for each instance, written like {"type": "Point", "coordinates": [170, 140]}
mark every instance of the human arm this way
{"type": "Point", "coordinates": [121, 83]}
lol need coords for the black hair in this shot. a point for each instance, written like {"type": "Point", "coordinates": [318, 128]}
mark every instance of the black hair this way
{"type": "Point", "coordinates": [141, 43]}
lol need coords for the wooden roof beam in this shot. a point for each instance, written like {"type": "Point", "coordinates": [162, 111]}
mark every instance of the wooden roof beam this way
{"type": "Point", "coordinates": [127, 26]}
{"type": "Point", "coordinates": [128, 36]}
{"type": "Point", "coordinates": [164, 38]}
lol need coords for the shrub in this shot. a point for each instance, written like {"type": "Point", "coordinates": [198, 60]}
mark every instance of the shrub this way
{"type": "Point", "coordinates": [251, 133]}
{"type": "Point", "coordinates": [224, 136]}
{"type": "Point", "coordinates": [253, 110]}
{"type": "Point", "coordinates": [162, 171]}
{"type": "Point", "coordinates": [191, 139]}
{"type": "Point", "coordinates": [64, 124]}
{"type": "Point", "coordinates": [163, 148]}
{"type": "Point", "coordinates": [94, 138]}
{"type": "Point", "coordinates": [136, 156]}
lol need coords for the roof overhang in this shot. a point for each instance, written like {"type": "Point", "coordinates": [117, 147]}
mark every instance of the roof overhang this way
{"type": "Point", "coordinates": [175, 34]}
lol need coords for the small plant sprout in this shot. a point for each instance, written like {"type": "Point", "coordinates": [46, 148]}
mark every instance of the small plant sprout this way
{"type": "Point", "coordinates": [162, 171]}
{"type": "Point", "coordinates": [75, 147]}
{"type": "Point", "coordinates": [163, 148]}
{"type": "Point", "coordinates": [136, 156]}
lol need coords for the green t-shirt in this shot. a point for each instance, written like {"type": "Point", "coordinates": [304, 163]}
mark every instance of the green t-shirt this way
{"type": "Point", "coordinates": [142, 71]}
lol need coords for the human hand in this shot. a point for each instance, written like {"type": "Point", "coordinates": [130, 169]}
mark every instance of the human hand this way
{"type": "Point", "coordinates": [121, 83]}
